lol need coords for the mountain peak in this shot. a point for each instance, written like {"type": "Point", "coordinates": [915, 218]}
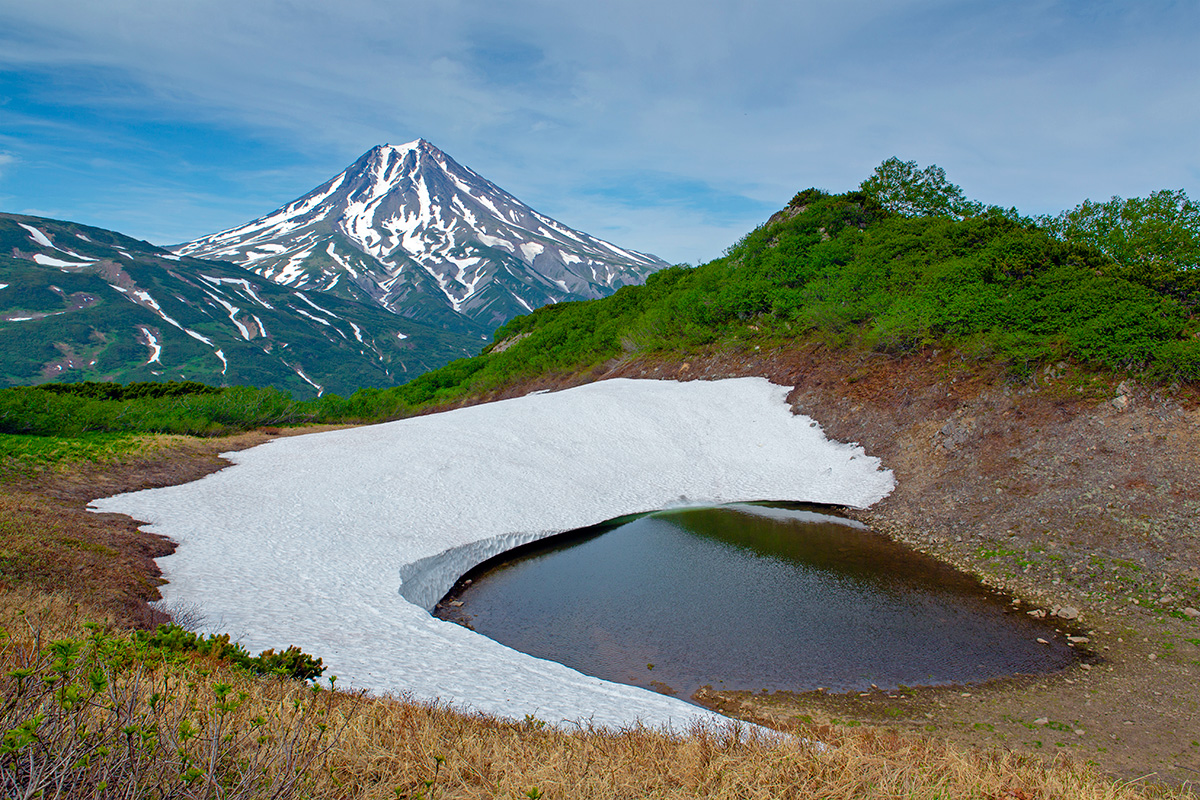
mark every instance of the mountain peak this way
{"type": "Point", "coordinates": [407, 147]}
{"type": "Point", "coordinates": [410, 228]}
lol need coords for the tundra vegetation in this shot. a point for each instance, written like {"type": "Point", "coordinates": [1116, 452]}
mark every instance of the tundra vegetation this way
{"type": "Point", "coordinates": [98, 702]}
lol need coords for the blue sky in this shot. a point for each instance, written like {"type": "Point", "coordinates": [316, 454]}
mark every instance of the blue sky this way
{"type": "Point", "coordinates": [671, 127]}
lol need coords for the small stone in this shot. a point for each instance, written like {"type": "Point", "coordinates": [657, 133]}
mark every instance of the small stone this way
{"type": "Point", "coordinates": [1191, 612]}
{"type": "Point", "coordinates": [1042, 641]}
{"type": "Point", "coordinates": [1041, 721]}
{"type": "Point", "coordinates": [1078, 639]}
{"type": "Point", "coordinates": [1080, 731]}
{"type": "Point", "coordinates": [456, 603]}
{"type": "Point", "coordinates": [1121, 402]}
{"type": "Point", "coordinates": [1153, 657]}
{"type": "Point", "coordinates": [1037, 613]}
{"type": "Point", "coordinates": [1068, 612]}
{"type": "Point", "coordinates": [965, 694]}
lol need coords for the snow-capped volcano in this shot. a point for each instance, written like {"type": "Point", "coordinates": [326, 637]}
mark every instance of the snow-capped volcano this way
{"type": "Point", "coordinates": [424, 236]}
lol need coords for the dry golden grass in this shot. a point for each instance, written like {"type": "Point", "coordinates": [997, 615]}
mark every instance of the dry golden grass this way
{"type": "Point", "coordinates": [221, 733]}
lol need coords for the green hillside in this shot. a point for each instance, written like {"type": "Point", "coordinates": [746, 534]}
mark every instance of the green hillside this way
{"type": "Point", "coordinates": [79, 303]}
{"type": "Point", "coordinates": [851, 272]}
{"type": "Point", "coordinates": [903, 264]}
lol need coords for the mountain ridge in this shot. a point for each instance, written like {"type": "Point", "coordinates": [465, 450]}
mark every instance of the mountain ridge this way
{"type": "Point", "coordinates": [84, 303]}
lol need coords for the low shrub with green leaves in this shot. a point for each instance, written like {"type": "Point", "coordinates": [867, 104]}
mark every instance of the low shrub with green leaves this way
{"type": "Point", "coordinates": [113, 715]}
{"type": "Point", "coordinates": [177, 408]}
{"type": "Point", "coordinates": [290, 663]}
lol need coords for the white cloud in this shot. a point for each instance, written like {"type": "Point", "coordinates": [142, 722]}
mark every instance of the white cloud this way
{"type": "Point", "coordinates": [1036, 103]}
{"type": "Point", "coordinates": [6, 160]}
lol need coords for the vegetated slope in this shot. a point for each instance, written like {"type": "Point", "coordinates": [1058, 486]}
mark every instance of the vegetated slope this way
{"type": "Point", "coordinates": [843, 270]}
{"type": "Point", "coordinates": [82, 303]}
{"type": "Point", "coordinates": [411, 229]}
{"type": "Point", "coordinates": [836, 269]}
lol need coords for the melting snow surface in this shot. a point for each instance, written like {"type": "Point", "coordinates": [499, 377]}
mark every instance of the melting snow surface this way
{"type": "Point", "coordinates": [152, 343]}
{"type": "Point", "coordinates": [201, 337]}
{"type": "Point", "coordinates": [47, 261]}
{"type": "Point", "coordinates": [339, 541]}
{"type": "Point", "coordinates": [37, 235]}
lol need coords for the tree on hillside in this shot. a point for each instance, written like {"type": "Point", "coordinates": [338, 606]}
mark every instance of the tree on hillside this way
{"type": "Point", "coordinates": [1153, 240]}
{"type": "Point", "coordinates": [902, 187]}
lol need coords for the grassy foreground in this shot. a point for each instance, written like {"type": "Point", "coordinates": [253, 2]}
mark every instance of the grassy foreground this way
{"type": "Point", "coordinates": [91, 709]}
{"type": "Point", "coordinates": [88, 714]}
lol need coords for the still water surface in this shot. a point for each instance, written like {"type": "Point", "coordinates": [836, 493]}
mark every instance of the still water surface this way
{"type": "Point", "coordinates": [750, 597]}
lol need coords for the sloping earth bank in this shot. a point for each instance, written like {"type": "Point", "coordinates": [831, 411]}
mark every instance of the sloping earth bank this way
{"type": "Point", "coordinates": [1066, 490]}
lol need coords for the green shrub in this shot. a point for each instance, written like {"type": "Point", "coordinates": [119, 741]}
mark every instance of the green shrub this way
{"type": "Point", "coordinates": [290, 663]}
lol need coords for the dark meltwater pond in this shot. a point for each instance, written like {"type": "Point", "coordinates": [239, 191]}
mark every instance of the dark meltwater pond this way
{"type": "Point", "coordinates": [750, 597]}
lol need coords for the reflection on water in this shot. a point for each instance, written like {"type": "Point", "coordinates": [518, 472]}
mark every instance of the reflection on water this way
{"type": "Point", "coordinates": [750, 597]}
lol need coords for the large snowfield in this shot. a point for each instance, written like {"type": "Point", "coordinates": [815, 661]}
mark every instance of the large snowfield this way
{"type": "Point", "coordinates": [340, 542]}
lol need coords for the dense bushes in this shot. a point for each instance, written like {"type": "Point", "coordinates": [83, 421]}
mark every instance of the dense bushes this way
{"type": "Point", "coordinates": [55, 409]}
{"type": "Point", "coordinates": [111, 714]}
{"type": "Point", "coordinates": [289, 663]}
{"type": "Point", "coordinates": [138, 390]}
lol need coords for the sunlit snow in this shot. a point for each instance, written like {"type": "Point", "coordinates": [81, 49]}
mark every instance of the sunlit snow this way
{"type": "Point", "coordinates": [532, 250]}
{"type": "Point", "coordinates": [313, 317]}
{"type": "Point", "coordinates": [47, 261]}
{"type": "Point", "coordinates": [339, 542]}
{"type": "Point", "coordinates": [200, 337]}
{"type": "Point", "coordinates": [37, 235]}
{"type": "Point", "coordinates": [152, 343]}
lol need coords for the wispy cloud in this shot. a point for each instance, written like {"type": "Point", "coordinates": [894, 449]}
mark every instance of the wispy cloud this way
{"type": "Point", "coordinates": [695, 118]}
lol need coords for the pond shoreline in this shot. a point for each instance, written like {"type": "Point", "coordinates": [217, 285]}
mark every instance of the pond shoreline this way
{"type": "Point", "coordinates": [1064, 490]}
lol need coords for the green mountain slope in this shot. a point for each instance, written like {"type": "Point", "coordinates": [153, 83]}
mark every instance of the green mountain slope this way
{"type": "Point", "coordinates": [847, 271]}
{"type": "Point", "coordinates": [842, 271]}
{"type": "Point", "coordinates": [81, 303]}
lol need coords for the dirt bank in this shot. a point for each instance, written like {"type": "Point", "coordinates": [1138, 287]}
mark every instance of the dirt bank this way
{"type": "Point", "coordinates": [1068, 490]}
